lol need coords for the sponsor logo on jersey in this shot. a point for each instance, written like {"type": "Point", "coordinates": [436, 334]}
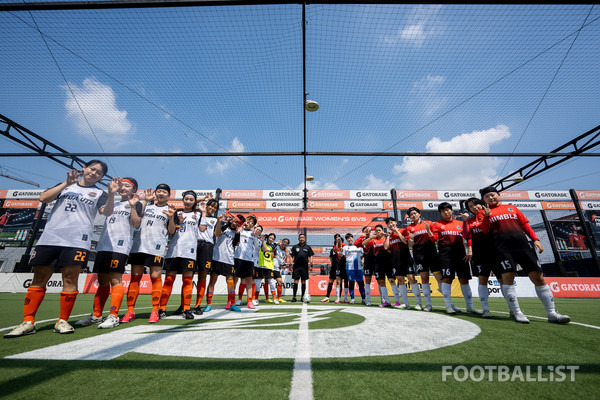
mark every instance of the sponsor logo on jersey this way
{"type": "Point", "coordinates": [92, 194]}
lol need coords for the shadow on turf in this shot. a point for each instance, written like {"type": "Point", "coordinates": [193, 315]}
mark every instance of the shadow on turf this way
{"type": "Point", "coordinates": [48, 370]}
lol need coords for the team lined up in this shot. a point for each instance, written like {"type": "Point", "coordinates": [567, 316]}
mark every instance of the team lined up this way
{"type": "Point", "coordinates": [231, 246]}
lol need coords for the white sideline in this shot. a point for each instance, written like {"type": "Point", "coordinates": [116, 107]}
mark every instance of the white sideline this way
{"type": "Point", "coordinates": [302, 383]}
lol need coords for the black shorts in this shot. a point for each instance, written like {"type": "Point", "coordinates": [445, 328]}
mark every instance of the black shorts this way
{"type": "Point", "coordinates": [180, 264]}
{"type": "Point", "coordinates": [521, 262]}
{"type": "Point", "coordinates": [403, 263]}
{"type": "Point", "coordinates": [277, 274]}
{"type": "Point", "coordinates": [259, 272]}
{"type": "Point", "coordinates": [147, 260]}
{"type": "Point", "coordinates": [243, 268]}
{"type": "Point", "coordinates": [204, 255]}
{"type": "Point", "coordinates": [108, 261]}
{"type": "Point", "coordinates": [340, 272]}
{"type": "Point", "coordinates": [426, 262]}
{"type": "Point", "coordinates": [332, 272]}
{"type": "Point", "coordinates": [54, 256]}
{"type": "Point", "coordinates": [223, 269]}
{"type": "Point", "coordinates": [268, 273]}
{"type": "Point", "coordinates": [455, 265]}
{"type": "Point", "coordinates": [384, 269]}
{"type": "Point", "coordinates": [300, 272]}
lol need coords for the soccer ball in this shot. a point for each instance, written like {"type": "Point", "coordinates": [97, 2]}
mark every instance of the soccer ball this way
{"type": "Point", "coordinates": [306, 298]}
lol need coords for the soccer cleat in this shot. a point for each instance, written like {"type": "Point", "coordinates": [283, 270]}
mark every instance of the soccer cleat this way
{"type": "Point", "coordinates": [238, 303]}
{"type": "Point", "coordinates": [153, 317]}
{"type": "Point", "coordinates": [402, 307]}
{"type": "Point", "coordinates": [255, 302]}
{"type": "Point", "coordinates": [110, 322]}
{"type": "Point", "coordinates": [385, 304]}
{"type": "Point", "coordinates": [418, 307]}
{"type": "Point", "coordinates": [188, 314]}
{"type": "Point", "coordinates": [275, 301]}
{"type": "Point", "coordinates": [235, 308]}
{"type": "Point", "coordinates": [63, 327]}
{"type": "Point", "coordinates": [486, 314]}
{"type": "Point", "coordinates": [346, 301]}
{"type": "Point", "coordinates": [294, 300]}
{"type": "Point", "coordinates": [198, 310]}
{"type": "Point", "coordinates": [270, 301]}
{"type": "Point", "coordinates": [428, 308]}
{"type": "Point", "coordinates": [128, 317]}
{"type": "Point", "coordinates": [456, 309]}
{"type": "Point", "coordinates": [368, 304]}
{"type": "Point", "coordinates": [450, 310]}
{"type": "Point", "coordinates": [207, 308]}
{"type": "Point", "coordinates": [521, 318]}
{"type": "Point", "coordinates": [161, 314]}
{"type": "Point", "coordinates": [473, 310]}
{"type": "Point", "coordinates": [26, 328]}
{"type": "Point", "coordinates": [89, 320]}
{"type": "Point", "coordinates": [352, 301]}
{"type": "Point", "coordinates": [337, 301]}
{"type": "Point", "coordinates": [250, 306]}
{"type": "Point", "coordinates": [179, 311]}
{"type": "Point", "coordinates": [364, 302]}
{"type": "Point", "coordinates": [557, 318]}
{"type": "Point", "coordinates": [325, 300]}
{"type": "Point", "coordinates": [281, 300]}
{"type": "Point", "coordinates": [228, 305]}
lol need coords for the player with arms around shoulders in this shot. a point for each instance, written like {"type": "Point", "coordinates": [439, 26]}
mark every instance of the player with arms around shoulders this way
{"type": "Point", "coordinates": [181, 255]}
{"type": "Point", "coordinates": [368, 262]}
{"type": "Point", "coordinates": [206, 242]}
{"type": "Point", "coordinates": [113, 249]}
{"type": "Point", "coordinates": [244, 257]}
{"type": "Point", "coordinates": [66, 241]}
{"type": "Point", "coordinates": [448, 232]}
{"type": "Point", "coordinates": [508, 228]}
{"type": "Point", "coordinates": [149, 246]}
{"type": "Point", "coordinates": [279, 263]}
{"type": "Point", "coordinates": [302, 256]}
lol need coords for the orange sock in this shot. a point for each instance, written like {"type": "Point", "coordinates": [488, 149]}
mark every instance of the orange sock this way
{"type": "Point", "coordinates": [67, 301]}
{"type": "Point", "coordinates": [156, 291]}
{"type": "Point", "coordinates": [186, 291]}
{"type": "Point", "coordinates": [133, 292]}
{"type": "Point", "coordinates": [209, 296]}
{"type": "Point", "coordinates": [167, 288]}
{"type": "Point", "coordinates": [116, 298]}
{"type": "Point", "coordinates": [200, 293]}
{"type": "Point", "coordinates": [33, 299]}
{"type": "Point", "coordinates": [100, 299]}
{"type": "Point", "coordinates": [241, 291]}
{"type": "Point", "coordinates": [254, 289]}
{"type": "Point", "coordinates": [250, 294]}
{"type": "Point", "coordinates": [266, 291]}
{"type": "Point", "coordinates": [230, 291]}
{"type": "Point", "coordinates": [279, 291]}
{"type": "Point", "coordinates": [273, 294]}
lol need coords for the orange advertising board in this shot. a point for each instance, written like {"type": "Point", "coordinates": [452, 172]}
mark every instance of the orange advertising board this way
{"type": "Point", "coordinates": [574, 287]}
{"type": "Point", "coordinates": [416, 194]}
{"type": "Point", "coordinates": [515, 195]}
{"type": "Point", "coordinates": [247, 204]}
{"type": "Point", "coordinates": [20, 204]}
{"type": "Point", "coordinates": [327, 205]}
{"type": "Point", "coordinates": [402, 205]}
{"type": "Point", "coordinates": [558, 205]}
{"type": "Point", "coordinates": [241, 194]}
{"type": "Point", "coordinates": [328, 194]}
{"type": "Point", "coordinates": [588, 194]}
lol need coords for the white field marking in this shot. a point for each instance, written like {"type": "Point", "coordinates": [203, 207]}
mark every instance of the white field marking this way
{"type": "Point", "coordinates": [43, 321]}
{"type": "Point", "coordinates": [391, 332]}
{"type": "Point", "coordinates": [302, 382]}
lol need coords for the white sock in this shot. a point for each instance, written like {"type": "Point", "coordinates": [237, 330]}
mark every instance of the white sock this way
{"type": "Point", "coordinates": [337, 292]}
{"type": "Point", "coordinates": [404, 293]}
{"type": "Point", "coordinates": [257, 283]}
{"type": "Point", "coordinates": [447, 292]}
{"type": "Point", "coordinates": [511, 298]}
{"type": "Point", "coordinates": [467, 294]}
{"type": "Point", "coordinates": [545, 295]}
{"type": "Point", "coordinates": [273, 284]}
{"type": "Point", "coordinates": [427, 293]}
{"type": "Point", "coordinates": [384, 294]}
{"type": "Point", "coordinates": [483, 296]}
{"type": "Point", "coordinates": [417, 292]}
{"type": "Point", "coordinates": [395, 291]}
{"type": "Point", "coordinates": [368, 292]}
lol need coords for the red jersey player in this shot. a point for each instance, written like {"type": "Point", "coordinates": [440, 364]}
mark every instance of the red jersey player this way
{"type": "Point", "coordinates": [508, 227]}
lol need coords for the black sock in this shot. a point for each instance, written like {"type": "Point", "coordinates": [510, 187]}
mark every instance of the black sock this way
{"type": "Point", "coordinates": [303, 288]}
{"type": "Point", "coordinates": [329, 287]}
{"type": "Point", "coordinates": [295, 289]}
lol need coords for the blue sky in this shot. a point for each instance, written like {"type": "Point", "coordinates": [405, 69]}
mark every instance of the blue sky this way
{"type": "Point", "coordinates": [401, 78]}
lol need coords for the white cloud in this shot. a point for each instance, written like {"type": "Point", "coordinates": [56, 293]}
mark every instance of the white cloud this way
{"type": "Point", "coordinates": [413, 33]}
{"type": "Point", "coordinates": [441, 173]}
{"type": "Point", "coordinates": [225, 163]}
{"type": "Point", "coordinates": [96, 103]}
{"type": "Point", "coordinates": [422, 24]}
{"type": "Point", "coordinates": [312, 185]}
